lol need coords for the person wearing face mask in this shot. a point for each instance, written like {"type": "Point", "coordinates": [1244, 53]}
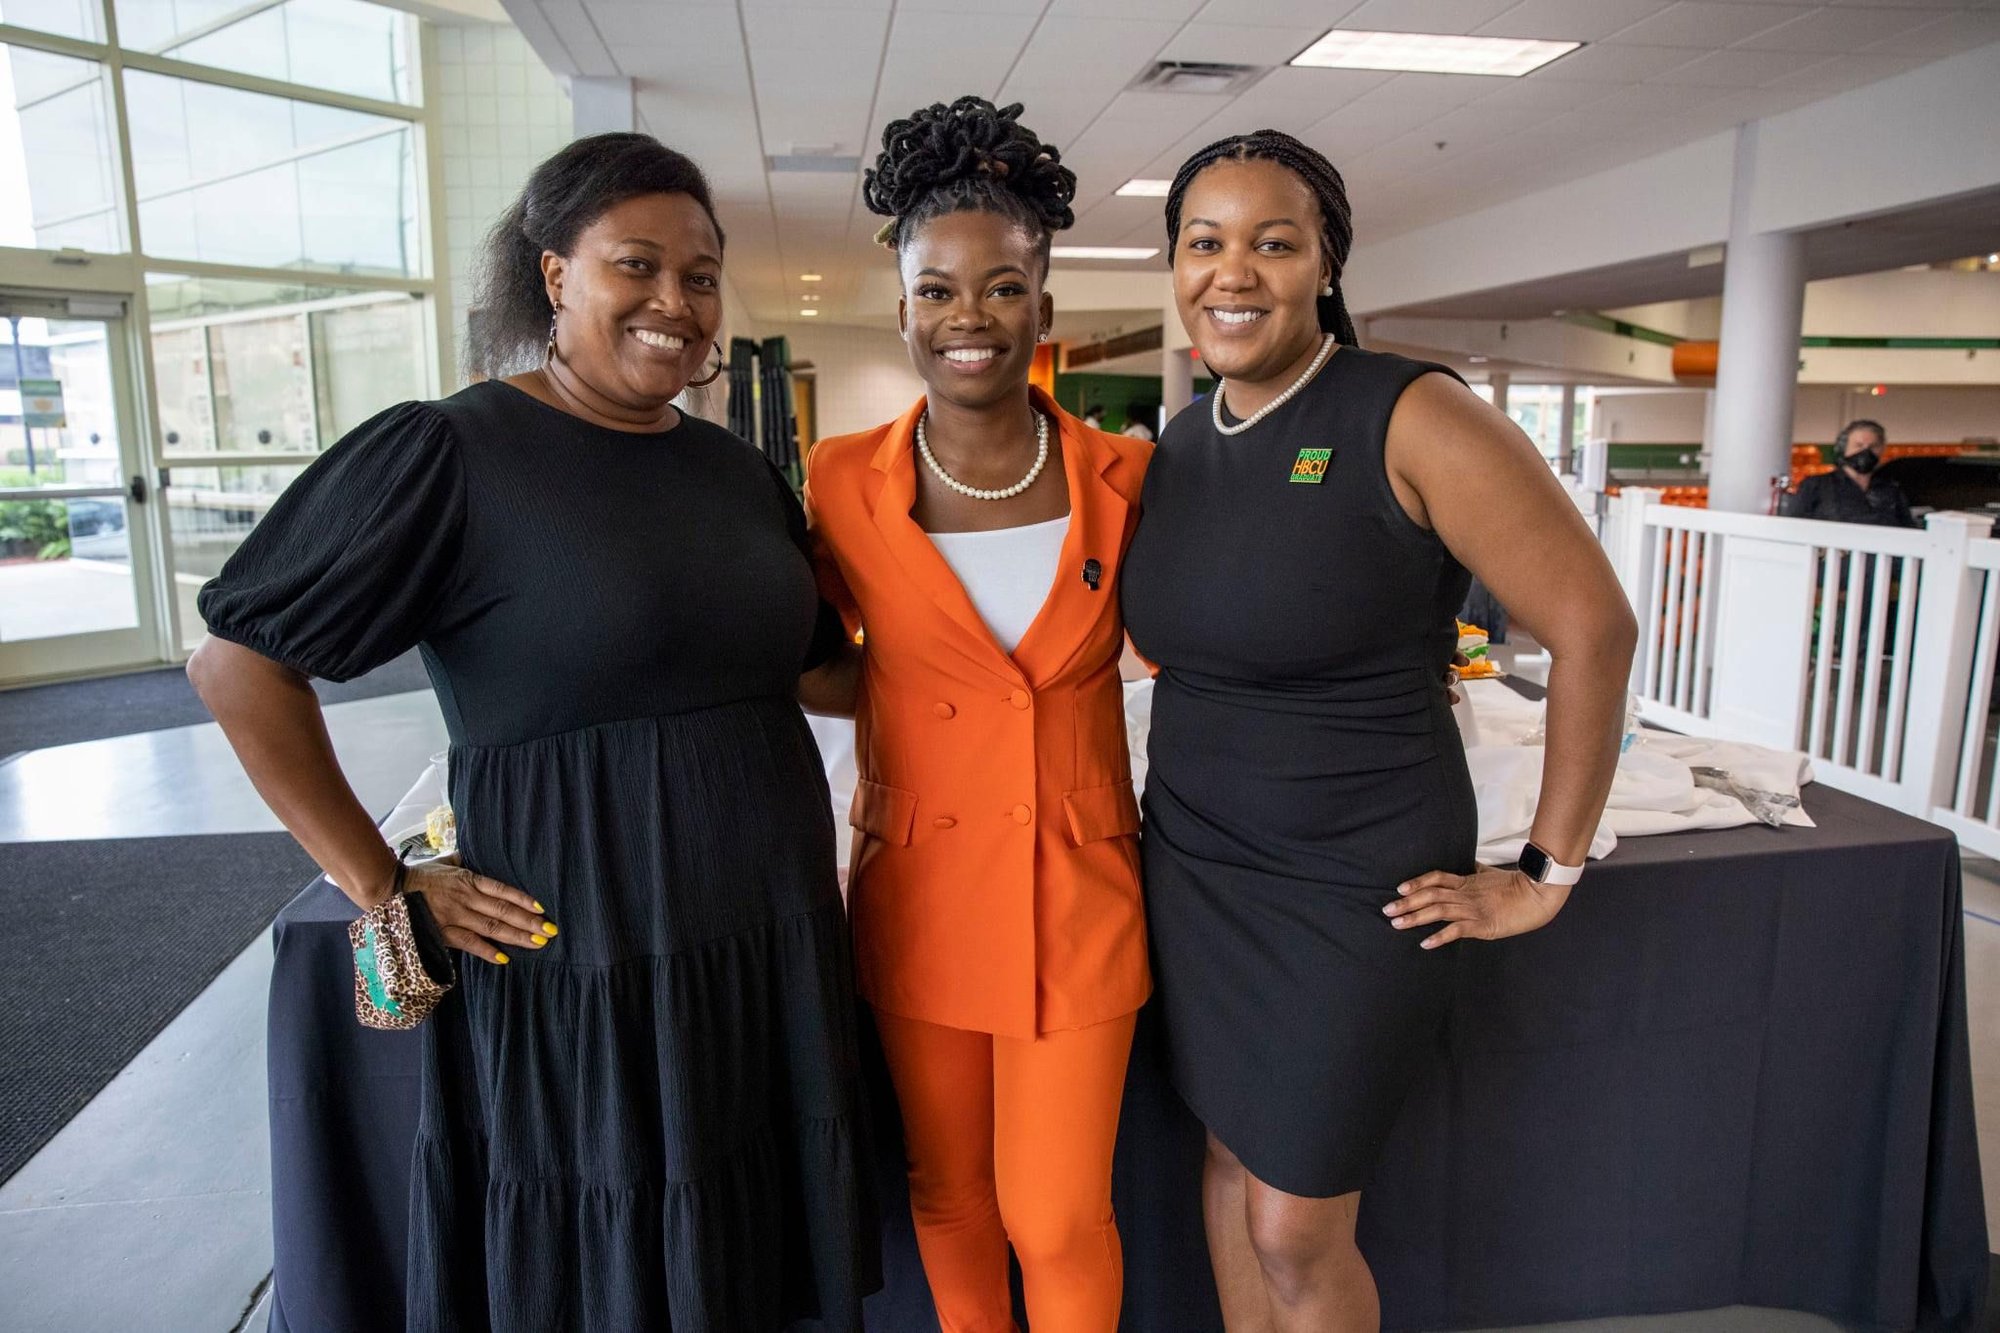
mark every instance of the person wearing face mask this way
{"type": "Point", "coordinates": [977, 540]}
{"type": "Point", "coordinates": [651, 1119]}
{"type": "Point", "coordinates": [1852, 493]}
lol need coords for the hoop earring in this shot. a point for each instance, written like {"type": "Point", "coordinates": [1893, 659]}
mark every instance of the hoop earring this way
{"type": "Point", "coordinates": [713, 375]}
{"type": "Point", "coordinates": [549, 352]}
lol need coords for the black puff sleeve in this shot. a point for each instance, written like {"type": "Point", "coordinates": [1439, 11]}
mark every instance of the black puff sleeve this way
{"type": "Point", "coordinates": [354, 563]}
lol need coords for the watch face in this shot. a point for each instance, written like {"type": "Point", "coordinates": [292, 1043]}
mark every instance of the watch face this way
{"type": "Point", "coordinates": [1534, 863]}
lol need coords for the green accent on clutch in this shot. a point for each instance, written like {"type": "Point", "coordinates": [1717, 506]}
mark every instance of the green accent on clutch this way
{"type": "Point", "coordinates": [371, 976]}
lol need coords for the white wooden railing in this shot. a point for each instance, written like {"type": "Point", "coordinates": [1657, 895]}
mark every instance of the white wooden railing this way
{"type": "Point", "coordinates": [1871, 649]}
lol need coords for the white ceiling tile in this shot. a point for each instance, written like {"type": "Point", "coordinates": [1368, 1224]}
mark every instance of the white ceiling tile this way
{"type": "Point", "coordinates": [1104, 53]}
{"type": "Point", "coordinates": [1240, 43]}
{"type": "Point", "coordinates": [1177, 10]}
{"type": "Point", "coordinates": [971, 6]}
{"type": "Point", "coordinates": [983, 46]}
{"type": "Point", "coordinates": [579, 36]}
{"type": "Point", "coordinates": [1945, 36]}
{"type": "Point", "coordinates": [1448, 16]}
{"type": "Point", "coordinates": [1278, 13]}
{"type": "Point", "coordinates": [1843, 72]}
{"type": "Point", "coordinates": [1919, 4]}
{"type": "Point", "coordinates": [1292, 95]}
{"type": "Point", "coordinates": [1739, 69]}
{"type": "Point", "coordinates": [1555, 94]}
{"type": "Point", "coordinates": [621, 21]}
{"type": "Point", "coordinates": [1704, 23]}
{"type": "Point", "coordinates": [1571, 20]}
{"type": "Point", "coordinates": [1837, 31]}
{"type": "Point", "coordinates": [1615, 64]}
{"type": "Point", "coordinates": [1437, 90]}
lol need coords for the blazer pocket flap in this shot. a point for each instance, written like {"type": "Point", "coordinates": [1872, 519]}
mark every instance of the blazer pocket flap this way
{"type": "Point", "coordinates": [888, 813]}
{"type": "Point", "coordinates": [1101, 812]}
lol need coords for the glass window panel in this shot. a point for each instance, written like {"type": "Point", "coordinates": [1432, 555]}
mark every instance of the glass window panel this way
{"type": "Point", "coordinates": [71, 18]}
{"type": "Point", "coordinates": [253, 367]}
{"type": "Point", "coordinates": [231, 177]}
{"type": "Point", "coordinates": [210, 510]}
{"type": "Point", "coordinates": [57, 170]}
{"type": "Point", "coordinates": [65, 562]}
{"type": "Point", "coordinates": [344, 46]}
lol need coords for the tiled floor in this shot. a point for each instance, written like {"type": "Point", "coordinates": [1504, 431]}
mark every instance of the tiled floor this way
{"type": "Point", "coordinates": [150, 1209]}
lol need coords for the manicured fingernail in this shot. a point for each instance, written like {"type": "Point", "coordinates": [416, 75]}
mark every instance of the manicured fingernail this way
{"type": "Point", "coordinates": [1430, 944]}
{"type": "Point", "coordinates": [540, 908]}
{"type": "Point", "coordinates": [1389, 909]}
{"type": "Point", "coordinates": [548, 927]}
{"type": "Point", "coordinates": [499, 957]}
{"type": "Point", "coordinates": [1403, 889]}
{"type": "Point", "coordinates": [1400, 922]}
{"type": "Point", "coordinates": [537, 941]}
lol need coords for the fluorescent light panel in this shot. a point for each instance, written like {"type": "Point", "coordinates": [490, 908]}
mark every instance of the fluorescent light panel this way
{"type": "Point", "coordinates": [1431, 53]}
{"type": "Point", "coordinates": [1141, 188]}
{"type": "Point", "coordinates": [1104, 251]}
{"type": "Point", "coordinates": [809, 313]}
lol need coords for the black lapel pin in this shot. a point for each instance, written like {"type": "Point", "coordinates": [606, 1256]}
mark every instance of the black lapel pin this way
{"type": "Point", "coordinates": [1092, 572]}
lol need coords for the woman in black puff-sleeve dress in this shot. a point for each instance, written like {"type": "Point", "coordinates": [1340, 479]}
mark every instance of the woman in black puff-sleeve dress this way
{"type": "Point", "coordinates": [650, 1120]}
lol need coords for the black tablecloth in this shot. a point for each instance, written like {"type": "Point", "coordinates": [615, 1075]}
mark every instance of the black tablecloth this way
{"type": "Point", "coordinates": [1734, 1071]}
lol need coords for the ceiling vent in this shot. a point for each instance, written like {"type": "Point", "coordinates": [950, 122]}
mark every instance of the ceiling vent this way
{"type": "Point", "coordinates": [1198, 76]}
{"type": "Point", "coordinates": [824, 164]}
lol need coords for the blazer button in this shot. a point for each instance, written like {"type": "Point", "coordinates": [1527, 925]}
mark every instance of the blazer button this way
{"type": "Point", "coordinates": [1022, 814]}
{"type": "Point", "coordinates": [944, 821]}
{"type": "Point", "coordinates": [944, 710]}
{"type": "Point", "coordinates": [1019, 698]}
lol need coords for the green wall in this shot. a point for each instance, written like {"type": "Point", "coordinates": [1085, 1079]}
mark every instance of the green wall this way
{"type": "Point", "coordinates": [1117, 393]}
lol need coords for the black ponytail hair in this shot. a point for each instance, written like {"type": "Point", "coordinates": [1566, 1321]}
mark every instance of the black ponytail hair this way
{"type": "Point", "coordinates": [1336, 234]}
{"type": "Point", "coordinates": [562, 198]}
{"type": "Point", "coordinates": [969, 155]}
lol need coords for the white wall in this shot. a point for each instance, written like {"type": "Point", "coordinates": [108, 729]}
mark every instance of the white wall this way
{"type": "Point", "coordinates": [1911, 415]}
{"type": "Point", "coordinates": [500, 113]}
{"type": "Point", "coordinates": [862, 376]}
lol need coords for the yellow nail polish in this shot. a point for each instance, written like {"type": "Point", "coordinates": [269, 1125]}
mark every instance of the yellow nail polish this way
{"type": "Point", "coordinates": [548, 927]}
{"type": "Point", "coordinates": [537, 940]}
{"type": "Point", "coordinates": [499, 957]}
{"type": "Point", "coordinates": [540, 908]}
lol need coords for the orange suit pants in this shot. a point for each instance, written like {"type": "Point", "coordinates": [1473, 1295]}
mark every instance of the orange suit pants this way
{"type": "Point", "coordinates": [1010, 1141]}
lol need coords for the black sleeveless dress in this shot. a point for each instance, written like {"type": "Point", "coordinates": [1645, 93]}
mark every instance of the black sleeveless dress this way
{"type": "Point", "coordinates": [1304, 761]}
{"type": "Point", "coordinates": [653, 1122]}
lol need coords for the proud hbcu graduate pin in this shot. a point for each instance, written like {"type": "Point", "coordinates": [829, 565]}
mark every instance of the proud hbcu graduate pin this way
{"type": "Point", "coordinates": [1311, 465]}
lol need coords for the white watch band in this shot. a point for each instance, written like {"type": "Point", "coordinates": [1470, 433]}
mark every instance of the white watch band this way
{"type": "Point", "coordinates": [1560, 874]}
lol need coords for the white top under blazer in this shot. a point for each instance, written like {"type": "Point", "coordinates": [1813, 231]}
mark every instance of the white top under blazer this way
{"type": "Point", "coordinates": [1006, 572]}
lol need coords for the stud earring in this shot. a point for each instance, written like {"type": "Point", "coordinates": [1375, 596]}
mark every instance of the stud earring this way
{"type": "Point", "coordinates": [1327, 290]}
{"type": "Point", "coordinates": [1042, 337]}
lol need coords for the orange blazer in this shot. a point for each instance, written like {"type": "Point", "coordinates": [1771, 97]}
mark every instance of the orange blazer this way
{"type": "Point", "coordinates": [995, 877]}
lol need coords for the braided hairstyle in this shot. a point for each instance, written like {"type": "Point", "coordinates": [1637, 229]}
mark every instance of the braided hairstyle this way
{"type": "Point", "coordinates": [1336, 234]}
{"type": "Point", "coordinates": [969, 155]}
{"type": "Point", "coordinates": [562, 198]}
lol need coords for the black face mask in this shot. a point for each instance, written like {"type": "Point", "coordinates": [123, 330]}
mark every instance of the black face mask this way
{"type": "Point", "coordinates": [1864, 462]}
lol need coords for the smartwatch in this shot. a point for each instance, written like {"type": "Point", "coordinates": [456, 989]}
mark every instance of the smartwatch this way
{"type": "Point", "coordinates": [1542, 868]}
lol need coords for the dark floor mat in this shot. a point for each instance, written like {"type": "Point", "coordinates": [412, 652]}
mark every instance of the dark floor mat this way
{"type": "Point", "coordinates": [88, 710]}
{"type": "Point", "coordinates": [106, 942]}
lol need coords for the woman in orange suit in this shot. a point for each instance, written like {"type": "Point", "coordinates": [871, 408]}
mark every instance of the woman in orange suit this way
{"type": "Point", "coordinates": [995, 889]}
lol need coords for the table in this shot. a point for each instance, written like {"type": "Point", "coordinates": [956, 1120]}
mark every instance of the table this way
{"type": "Point", "coordinates": [1735, 1070]}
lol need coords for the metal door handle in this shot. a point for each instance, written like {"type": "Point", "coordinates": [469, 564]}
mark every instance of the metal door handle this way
{"type": "Point", "coordinates": [137, 490]}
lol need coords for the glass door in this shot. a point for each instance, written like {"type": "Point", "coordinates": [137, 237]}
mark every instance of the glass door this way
{"type": "Point", "coordinates": [79, 589]}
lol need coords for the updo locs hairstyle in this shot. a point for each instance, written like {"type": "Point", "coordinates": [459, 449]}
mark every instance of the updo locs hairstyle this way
{"type": "Point", "coordinates": [969, 155]}
{"type": "Point", "coordinates": [1309, 165]}
{"type": "Point", "coordinates": [562, 198]}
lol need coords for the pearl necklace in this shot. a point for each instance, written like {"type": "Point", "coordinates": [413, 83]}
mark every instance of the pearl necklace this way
{"type": "Point", "coordinates": [1326, 347]}
{"type": "Point", "coordinates": [1041, 460]}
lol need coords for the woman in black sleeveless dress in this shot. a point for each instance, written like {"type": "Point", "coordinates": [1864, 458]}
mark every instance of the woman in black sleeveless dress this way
{"type": "Point", "coordinates": [649, 1120]}
{"type": "Point", "coordinates": [1303, 547]}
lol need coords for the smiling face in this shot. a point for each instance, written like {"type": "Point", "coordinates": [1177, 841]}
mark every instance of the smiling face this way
{"type": "Point", "coordinates": [973, 307]}
{"type": "Point", "coordinates": [641, 297]}
{"type": "Point", "coordinates": [1248, 268]}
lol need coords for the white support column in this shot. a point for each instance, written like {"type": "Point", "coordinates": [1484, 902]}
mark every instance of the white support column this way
{"type": "Point", "coordinates": [1176, 381]}
{"type": "Point", "coordinates": [1756, 380]}
{"type": "Point", "coordinates": [1940, 661]}
{"type": "Point", "coordinates": [1566, 434]}
{"type": "Point", "coordinates": [1500, 382]}
{"type": "Point", "coordinates": [602, 105]}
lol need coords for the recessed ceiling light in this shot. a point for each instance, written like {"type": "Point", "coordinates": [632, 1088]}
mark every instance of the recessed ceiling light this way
{"type": "Point", "coordinates": [809, 297]}
{"type": "Point", "coordinates": [1431, 53]}
{"type": "Point", "coordinates": [809, 312]}
{"type": "Point", "coordinates": [809, 277]}
{"type": "Point", "coordinates": [1104, 251]}
{"type": "Point", "coordinates": [1140, 187]}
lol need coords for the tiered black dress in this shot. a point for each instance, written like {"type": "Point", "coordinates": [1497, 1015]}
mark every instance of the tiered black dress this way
{"type": "Point", "coordinates": [653, 1122]}
{"type": "Point", "coordinates": [1304, 762]}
